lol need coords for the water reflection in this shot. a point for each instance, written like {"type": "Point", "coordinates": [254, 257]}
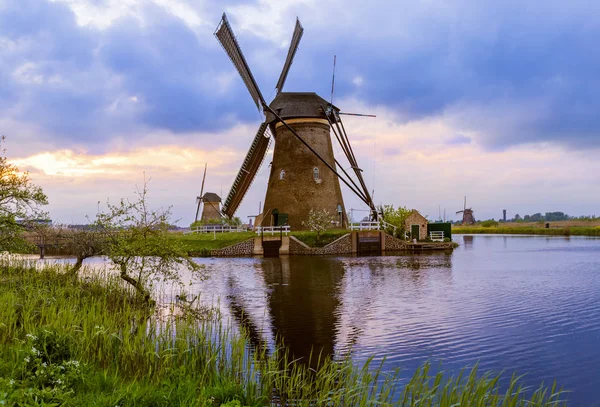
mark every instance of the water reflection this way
{"type": "Point", "coordinates": [303, 298]}
{"type": "Point", "coordinates": [467, 242]}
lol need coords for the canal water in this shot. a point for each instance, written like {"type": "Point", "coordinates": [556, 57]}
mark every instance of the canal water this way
{"type": "Point", "coordinates": [529, 305]}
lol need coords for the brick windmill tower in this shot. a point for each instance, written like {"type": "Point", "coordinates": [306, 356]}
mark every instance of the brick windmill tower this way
{"type": "Point", "coordinates": [304, 173]}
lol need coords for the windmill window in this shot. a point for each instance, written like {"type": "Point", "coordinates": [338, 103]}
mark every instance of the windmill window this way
{"type": "Point", "coordinates": [316, 174]}
{"type": "Point", "coordinates": [282, 174]}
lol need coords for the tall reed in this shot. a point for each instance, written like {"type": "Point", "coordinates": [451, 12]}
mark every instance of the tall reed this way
{"type": "Point", "coordinates": [78, 342]}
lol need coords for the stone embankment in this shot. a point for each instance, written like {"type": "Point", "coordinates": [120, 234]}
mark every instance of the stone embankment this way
{"type": "Point", "coordinates": [347, 244]}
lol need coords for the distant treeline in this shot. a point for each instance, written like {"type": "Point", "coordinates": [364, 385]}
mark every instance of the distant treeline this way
{"type": "Point", "coordinates": [549, 217]}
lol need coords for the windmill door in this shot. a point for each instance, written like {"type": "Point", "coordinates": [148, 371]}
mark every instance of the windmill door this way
{"type": "Point", "coordinates": [414, 232]}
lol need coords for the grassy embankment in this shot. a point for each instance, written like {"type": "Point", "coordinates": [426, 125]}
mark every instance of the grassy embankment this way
{"type": "Point", "coordinates": [562, 228]}
{"type": "Point", "coordinates": [87, 342]}
{"type": "Point", "coordinates": [200, 243]}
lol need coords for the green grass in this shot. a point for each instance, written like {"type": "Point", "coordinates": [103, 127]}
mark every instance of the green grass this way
{"type": "Point", "coordinates": [197, 242]}
{"type": "Point", "coordinates": [87, 342]}
{"type": "Point", "coordinates": [528, 230]}
{"type": "Point", "coordinates": [310, 238]}
{"type": "Point", "coordinates": [200, 242]}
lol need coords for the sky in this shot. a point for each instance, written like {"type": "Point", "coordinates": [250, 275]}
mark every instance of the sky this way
{"type": "Point", "coordinates": [493, 100]}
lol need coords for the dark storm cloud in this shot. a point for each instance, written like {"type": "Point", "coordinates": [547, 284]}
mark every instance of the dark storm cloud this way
{"type": "Point", "coordinates": [173, 74]}
{"type": "Point", "coordinates": [48, 68]}
{"type": "Point", "coordinates": [509, 72]}
{"type": "Point", "coordinates": [78, 83]}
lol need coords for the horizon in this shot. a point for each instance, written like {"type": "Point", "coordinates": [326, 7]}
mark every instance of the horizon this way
{"type": "Point", "coordinates": [492, 101]}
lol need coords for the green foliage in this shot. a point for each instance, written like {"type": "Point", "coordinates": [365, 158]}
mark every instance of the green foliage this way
{"type": "Point", "coordinates": [47, 373]}
{"type": "Point", "coordinates": [528, 230]}
{"type": "Point", "coordinates": [93, 344]}
{"type": "Point", "coordinates": [396, 217]}
{"type": "Point", "coordinates": [318, 222]}
{"type": "Point", "coordinates": [489, 223]}
{"type": "Point", "coordinates": [235, 221]}
{"type": "Point", "coordinates": [138, 242]}
{"type": "Point", "coordinates": [310, 238]}
{"type": "Point", "coordinates": [19, 199]}
{"type": "Point", "coordinates": [194, 243]}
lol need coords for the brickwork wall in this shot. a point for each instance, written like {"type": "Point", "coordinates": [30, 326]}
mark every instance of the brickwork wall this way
{"type": "Point", "coordinates": [393, 243]}
{"type": "Point", "coordinates": [297, 247]}
{"type": "Point", "coordinates": [210, 210]}
{"type": "Point", "coordinates": [298, 192]}
{"type": "Point", "coordinates": [415, 218]}
{"type": "Point", "coordinates": [343, 245]}
{"type": "Point", "coordinates": [241, 249]}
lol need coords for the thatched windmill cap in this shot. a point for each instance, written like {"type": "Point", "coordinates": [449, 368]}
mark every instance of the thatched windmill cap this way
{"type": "Point", "coordinates": [211, 197]}
{"type": "Point", "coordinates": [293, 105]}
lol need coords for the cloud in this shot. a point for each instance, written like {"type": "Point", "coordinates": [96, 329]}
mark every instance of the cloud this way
{"type": "Point", "coordinates": [76, 65]}
{"type": "Point", "coordinates": [459, 139]}
{"type": "Point", "coordinates": [468, 95]}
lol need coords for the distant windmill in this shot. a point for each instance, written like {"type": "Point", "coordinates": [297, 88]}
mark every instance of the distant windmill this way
{"type": "Point", "coordinates": [468, 218]}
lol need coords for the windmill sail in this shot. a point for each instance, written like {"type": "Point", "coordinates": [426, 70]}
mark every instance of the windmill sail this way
{"type": "Point", "coordinates": [201, 193]}
{"type": "Point", "coordinates": [296, 37]}
{"type": "Point", "coordinates": [229, 43]}
{"type": "Point", "coordinates": [248, 171]}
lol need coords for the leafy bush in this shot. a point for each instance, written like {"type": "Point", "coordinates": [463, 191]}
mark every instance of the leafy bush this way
{"type": "Point", "coordinates": [489, 223]}
{"type": "Point", "coordinates": [48, 374]}
{"type": "Point", "coordinates": [396, 217]}
{"type": "Point", "coordinates": [318, 221]}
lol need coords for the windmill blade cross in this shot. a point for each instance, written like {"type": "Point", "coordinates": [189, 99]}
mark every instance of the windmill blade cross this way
{"type": "Point", "coordinates": [227, 39]}
{"type": "Point", "coordinates": [296, 37]}
{"type": "Point", "coordinates": [246, 174]}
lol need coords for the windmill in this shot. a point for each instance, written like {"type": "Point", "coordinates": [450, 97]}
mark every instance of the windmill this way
{"type": "Point", "coordinates": [211, 208]}
{"type": "Point", "coordinates": [304, 173]}
{"type": "Point", "coordinates": [468, 218]}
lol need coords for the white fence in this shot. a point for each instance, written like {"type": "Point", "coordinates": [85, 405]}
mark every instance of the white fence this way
{"type": "Point", "coordinates": [215, 229]}
{"type": "Point", "coordinates": [272, 229]}
{"type": "Point", "coordinates": [372, 225]}
{"type": "Point", "coordinates": [437, 236]}
{"type": "Point", "coordinates": [385, 225]}
{"type": "Point", "coordinates": [365, 226]}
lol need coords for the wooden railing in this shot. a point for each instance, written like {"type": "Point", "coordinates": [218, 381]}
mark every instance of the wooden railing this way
{"type": "Point", "coordinates": [272, 230]}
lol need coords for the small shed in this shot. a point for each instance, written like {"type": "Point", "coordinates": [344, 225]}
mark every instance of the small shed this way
{"type": "Point", "coordinates": [416, 225]}
{"type": "Point", "coordinates": [212, 207]}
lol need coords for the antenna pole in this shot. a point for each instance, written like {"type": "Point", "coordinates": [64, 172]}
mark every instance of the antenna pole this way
{"type": "Point", "coordinates": [201, 192]}
{"type": "Point", "coordinates": [333, 80]}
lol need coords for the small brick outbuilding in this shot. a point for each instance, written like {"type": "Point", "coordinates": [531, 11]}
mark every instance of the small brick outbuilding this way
{"type": "Point", "coordinates": [416, 225]}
